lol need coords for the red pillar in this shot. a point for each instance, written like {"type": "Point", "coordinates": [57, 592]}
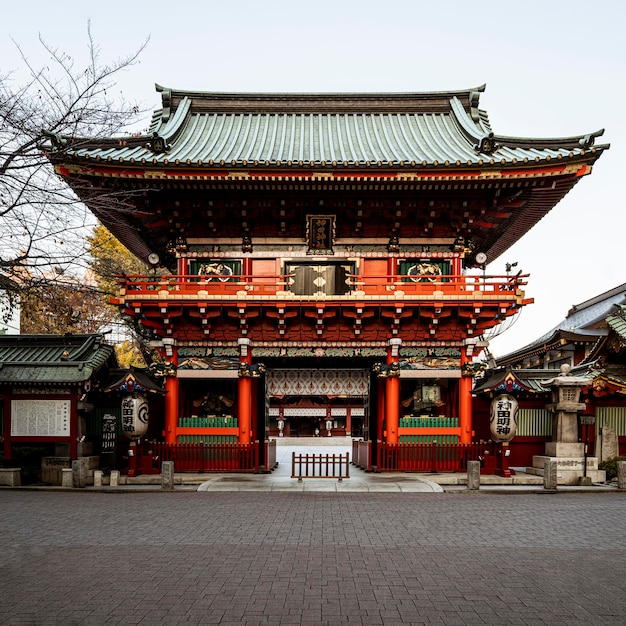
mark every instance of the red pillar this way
{"type": "Point", "coordinates": [244, 395]}
{"type": "Point", "coordinates": [171, 403]}
{"type": "Point", "coordinates": [392, 393]}
{"type": "Point", "coordinates": [380, 408]}
{"type": "Point", "coordinates": [465, 402]}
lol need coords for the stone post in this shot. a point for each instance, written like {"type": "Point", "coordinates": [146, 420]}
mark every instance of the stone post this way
{"type": "Point", "coordinates": [550, 475]}
{"type": "Point", "coordinates": [621, 474]}
{"type": "Point", "coordinates": [97, 478]}
{"type": "Point", "coordinates": [67, 479]}
{"type": "Point", "coordinates": [473, 475]}
{"type": "Point", "coordinates": [167, 475]}
{"type": "Point", "coordinates": [79, 473]}
{"type": "Point", "coordinates": [114, 479]}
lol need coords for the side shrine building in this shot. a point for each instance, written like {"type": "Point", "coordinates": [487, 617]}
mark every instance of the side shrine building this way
{"type": "Point", "coordinates": [317, 260]}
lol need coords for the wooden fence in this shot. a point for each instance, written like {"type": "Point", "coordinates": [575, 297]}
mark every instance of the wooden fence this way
{"type": "Point", "coordinates": [320, 466]}
{"type": "Point", "coordinates": [212, 457]}
{"type": "Point", "coordinates": [433, 457]}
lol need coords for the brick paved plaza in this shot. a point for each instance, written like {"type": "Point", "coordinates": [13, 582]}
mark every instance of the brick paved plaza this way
{"type": "Point", "coordinates": [311, 558]}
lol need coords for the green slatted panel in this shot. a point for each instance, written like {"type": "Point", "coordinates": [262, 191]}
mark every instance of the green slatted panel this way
{"type": "Point", "coordinates": [225, 421]}
{"type": "Point", "coordinates": [423, 439]}
{"type": "Point", "coordinates": [534, 423]}
{"type": "Point", "coordinates": [207, 439]}
{"type": "Point", "coordinates": [613, 417]}
{"type": "Point", "coordinates": [429, 422]}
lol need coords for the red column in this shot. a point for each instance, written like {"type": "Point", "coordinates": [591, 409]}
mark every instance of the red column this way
{"type": "Point", "coordinates": [244, 395]}
{"type": "Point", "coordinates": [171, 403]}
{"type": "Point", "coordinates": [380, 408]}
{"type": "Point", "coordinates": [392, 394]}
{"type": "Point", "coordinates": [465, 402]}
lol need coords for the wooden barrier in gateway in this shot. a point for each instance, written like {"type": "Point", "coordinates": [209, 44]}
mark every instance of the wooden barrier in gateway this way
{"type": "Point", "coordinates": [320, 466]}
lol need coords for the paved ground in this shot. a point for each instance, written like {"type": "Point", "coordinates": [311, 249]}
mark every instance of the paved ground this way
{"type": "Point", "coordinates": [83, 557]}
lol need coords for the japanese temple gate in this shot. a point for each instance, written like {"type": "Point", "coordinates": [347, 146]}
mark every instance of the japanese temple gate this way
{"type": "Point", "coordinates": [320, 255]}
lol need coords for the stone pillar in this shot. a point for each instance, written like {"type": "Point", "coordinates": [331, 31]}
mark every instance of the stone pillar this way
{"type": "Point", "coordinates": [621, 474]}
{"type": "Point", "coordinates": [79, 473]}
{"type": "Point", "coordinates": [473, 475]}
{"type": "Point", "coordinates": [97, 478]}
{"type": "Point", "coordinates": [114, 479]}
{"type": "Point", "coordinates": [550, 475]}
{"type": "Point", "coordinates": [167, 475]}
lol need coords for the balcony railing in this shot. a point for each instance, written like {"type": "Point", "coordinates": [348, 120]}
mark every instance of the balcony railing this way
{"type": "Point", "coordinates": [261, 286]}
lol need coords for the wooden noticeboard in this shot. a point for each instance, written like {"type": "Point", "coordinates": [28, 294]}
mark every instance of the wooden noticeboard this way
{"type": "Point", "coordinates": [40, 418]}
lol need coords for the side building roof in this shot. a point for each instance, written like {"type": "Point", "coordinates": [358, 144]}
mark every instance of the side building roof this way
{"type": "Point", "coordinates": [585, 322]}
{"type": "Point", "coordinates": [52, 359]}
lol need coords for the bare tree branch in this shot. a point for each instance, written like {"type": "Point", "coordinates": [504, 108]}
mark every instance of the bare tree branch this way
{"type": "Point", "coordinates": [43, 224]}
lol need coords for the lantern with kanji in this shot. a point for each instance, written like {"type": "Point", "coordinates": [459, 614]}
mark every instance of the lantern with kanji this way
{"type": "Point", "coordinates": [503, 417]}
{"type": "Point", "coordinates": [134, 416]}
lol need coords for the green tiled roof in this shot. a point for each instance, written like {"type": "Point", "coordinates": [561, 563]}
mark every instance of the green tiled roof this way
{"type": "Point", "coordinates": [324, 131]}
{"type": "Point", "coordinates": [617, 322]}
{"type": "Point", "coordinates": [41, 359]}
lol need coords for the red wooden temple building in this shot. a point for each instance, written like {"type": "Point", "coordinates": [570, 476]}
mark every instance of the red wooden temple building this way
{"type": "Point", "coordinates": [316, 261]}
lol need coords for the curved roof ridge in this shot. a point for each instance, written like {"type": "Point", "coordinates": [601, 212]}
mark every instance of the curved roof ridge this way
{"type": "Point", "coordinates": [335, 102]}
{"type": "Point", "coordinates": [585, 140]}
{"type": "Point", "coordinates": [167, 91]}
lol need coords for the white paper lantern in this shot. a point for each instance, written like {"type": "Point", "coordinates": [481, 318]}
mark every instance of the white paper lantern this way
{"type": "Point", "coordinates": [134, 416]}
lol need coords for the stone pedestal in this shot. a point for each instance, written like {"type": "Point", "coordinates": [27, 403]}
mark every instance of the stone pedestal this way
{"type": "Point", "coordinates": [569, 469]}
{"type": "Point", "coordinates": [10, 476]}
{"type": "Point", "coordinates": [563, 449]}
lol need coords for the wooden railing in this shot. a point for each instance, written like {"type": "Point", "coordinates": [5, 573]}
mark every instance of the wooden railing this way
{"type": "Point", "coordinates": [270, 456]}
{"type": "Point", "coordinates": [432, 457]}
{"type": "Point", "coordinates": [320, 466]}
{"type": "Point", "coordinates": [259, 285]}
{"type": "Point", "coordinates": [212, 457]}
{"type": "Point", "coordinates": [200, 457]}
{"type": "Point", "coordinates": [362, 454]}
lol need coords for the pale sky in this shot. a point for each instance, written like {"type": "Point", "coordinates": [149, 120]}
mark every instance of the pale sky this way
{"type": "Point", "coordinates": [553, 68]}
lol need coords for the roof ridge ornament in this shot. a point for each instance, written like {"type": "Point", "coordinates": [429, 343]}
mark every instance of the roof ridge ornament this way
{"type": "Point", "coordinates": [486, 144]}
{"type": "Point", "coordinates": [158, 144]}
{"type": "Point", "coordinates": [586, 141]}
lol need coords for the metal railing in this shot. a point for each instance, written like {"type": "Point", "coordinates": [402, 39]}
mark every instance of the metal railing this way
{"type": "Point", "coordinates": [320, 466]}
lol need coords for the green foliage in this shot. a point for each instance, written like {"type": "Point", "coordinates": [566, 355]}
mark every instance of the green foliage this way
{"type": "Point", "coordinates": [56, 308]}
{"type": "Point", "coordinates": [611, 466]}
{"type": "Point", "coordinates": [110, 259]}
{"type": "Point", "coordinates": [129, 354]}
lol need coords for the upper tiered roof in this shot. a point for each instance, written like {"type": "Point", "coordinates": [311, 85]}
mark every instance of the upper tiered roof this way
{"type": "Point", "coordinates": [425, 166]}
{"type": "Point", "coordinates": [362, 131]}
